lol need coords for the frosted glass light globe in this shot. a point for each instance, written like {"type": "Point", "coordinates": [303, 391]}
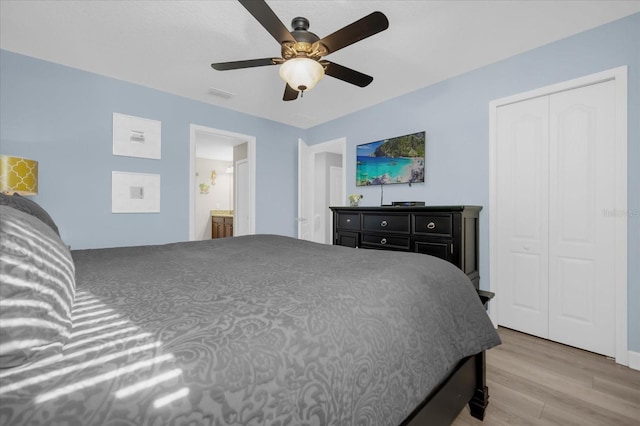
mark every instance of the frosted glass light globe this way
{"type": "Point", "coordinates": [301, 74]}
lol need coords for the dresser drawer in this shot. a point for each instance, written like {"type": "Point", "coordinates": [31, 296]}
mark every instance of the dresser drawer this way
{"type": "Point", "coordinates": [433, 224]}
{"type": "Point", "coordinates": [347, 239]}
{"type": "Point", "coordinates": [386, 223]}
{"type": "Point", "coordinates": [441, 249]}
{"type": "Point", "coordinates": [386, 241]}
{"type": "Point", "coordinates": [349, 221]}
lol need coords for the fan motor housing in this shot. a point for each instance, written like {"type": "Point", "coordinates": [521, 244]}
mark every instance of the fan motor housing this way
{"type": "Point", "coordinates": [301, 31]}
{"type": "Point", "coordinates": [305, 40]}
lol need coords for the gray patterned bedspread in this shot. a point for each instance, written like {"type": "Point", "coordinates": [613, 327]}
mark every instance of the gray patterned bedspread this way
{"type": "Point", "coordinates": [256, 330]}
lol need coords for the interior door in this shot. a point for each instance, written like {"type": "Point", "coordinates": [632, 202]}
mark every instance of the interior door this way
{"type": "Point", "coordinates": [305, 197]}
{"type": "Point", "coordinates": [581, 237]}
{"type": "Point", "coordinates": [336, 196]}
{"type": "Point", "coordinates": [522, 212]}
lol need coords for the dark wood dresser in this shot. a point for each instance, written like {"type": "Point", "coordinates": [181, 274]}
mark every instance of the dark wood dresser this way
{"type": "Point", "coordinates": [447, 232]}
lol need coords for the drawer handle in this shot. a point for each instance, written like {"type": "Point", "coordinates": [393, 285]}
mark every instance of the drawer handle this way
{"type": "Point", "coordinates": [383, 241]}
{"type": "Point", "coordinates": [431, 225]}
{"type": "Point", "coordinates": [383, 223]}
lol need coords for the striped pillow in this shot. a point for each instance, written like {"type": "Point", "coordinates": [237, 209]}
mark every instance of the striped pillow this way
{"type": "Point", "coordinates": [37, 291]}
{"type": "Point", "coordinates": [26, 205]}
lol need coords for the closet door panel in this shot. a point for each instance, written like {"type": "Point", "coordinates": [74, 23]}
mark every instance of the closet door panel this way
{"type": "Point", "coordinates": [522, 227]}
{"type": "Point", "coordinates": [581, 236]}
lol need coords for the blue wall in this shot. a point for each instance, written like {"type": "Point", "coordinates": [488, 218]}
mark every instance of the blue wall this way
{"type": "Point", "coordinates": [62, 117]}
{"type": "Point", "coordinates": [455, 115]}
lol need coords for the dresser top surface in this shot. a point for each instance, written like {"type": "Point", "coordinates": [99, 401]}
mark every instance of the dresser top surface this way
{"type": "Point", "coordinates": [406, 208]}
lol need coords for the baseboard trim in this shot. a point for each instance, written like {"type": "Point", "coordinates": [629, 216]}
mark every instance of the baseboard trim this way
{"type": "Point", "coordinates": [634, 360]}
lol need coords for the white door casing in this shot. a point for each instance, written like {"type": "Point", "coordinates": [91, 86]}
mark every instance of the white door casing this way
{"type": "Point", "coordinates": [242, 207]}
{"type": "Point", "coordinates": [583, 174]}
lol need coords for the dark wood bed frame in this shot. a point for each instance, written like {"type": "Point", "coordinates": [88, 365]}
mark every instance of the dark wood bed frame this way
{"type": "Point", "coordinates": [465, 384]}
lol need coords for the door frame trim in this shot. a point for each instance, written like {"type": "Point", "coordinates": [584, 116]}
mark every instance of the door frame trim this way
{"type": "Point", "coordinates": [251, 156]}
{"type": "Point", "coordinates": [618, 74]}
{"type": "Point", "coordinates": [251, 229]}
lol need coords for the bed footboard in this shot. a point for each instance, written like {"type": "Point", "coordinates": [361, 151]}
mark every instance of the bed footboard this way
{"type": "Point", "coordinates": [480, 400]}
{"type": "Point", "coordinates": [465, 384]}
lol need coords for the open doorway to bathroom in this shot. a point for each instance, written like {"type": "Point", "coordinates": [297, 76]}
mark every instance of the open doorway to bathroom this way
{"type": "Point", "coordinates": [218, 188]}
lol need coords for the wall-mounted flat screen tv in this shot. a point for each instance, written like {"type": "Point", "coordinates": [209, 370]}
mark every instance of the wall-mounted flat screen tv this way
{"type": "Point", "coordinates": [388, 161]}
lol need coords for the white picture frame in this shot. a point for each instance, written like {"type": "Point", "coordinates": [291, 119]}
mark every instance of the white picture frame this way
{"type": "Point", "coordinates": [135, 192]}
{"type": "Point", "coordinates": [136, 136]}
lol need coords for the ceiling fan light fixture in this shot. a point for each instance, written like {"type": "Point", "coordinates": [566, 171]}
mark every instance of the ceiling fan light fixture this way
{"type": "Point", "coordinates": [301, 74]}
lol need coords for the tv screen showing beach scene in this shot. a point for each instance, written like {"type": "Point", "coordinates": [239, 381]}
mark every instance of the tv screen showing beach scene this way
{"type": "Point", "coordinates": [389, 161]}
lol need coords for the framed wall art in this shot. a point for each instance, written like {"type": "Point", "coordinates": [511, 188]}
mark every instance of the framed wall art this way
{"type": "Point", "coordinates": [135, 192]}
{"type": "Point", "coordinates": [136, 137]}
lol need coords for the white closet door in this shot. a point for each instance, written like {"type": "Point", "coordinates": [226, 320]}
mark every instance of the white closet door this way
{"type": "Point", "coordinates": [522, 215]}
{"type": "Point", "coordinates": [581, 235]}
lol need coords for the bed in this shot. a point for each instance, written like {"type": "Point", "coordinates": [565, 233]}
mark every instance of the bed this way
{"type": "Point", "coordinates": [253, 330]}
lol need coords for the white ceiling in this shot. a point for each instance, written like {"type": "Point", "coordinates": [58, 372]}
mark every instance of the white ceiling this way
{"type": "Point", "coordinates": [169, 45]}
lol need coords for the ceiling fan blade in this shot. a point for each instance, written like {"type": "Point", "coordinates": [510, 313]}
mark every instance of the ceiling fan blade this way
{"type": "Point", "coordinates": [234, 65]}
{"type": "Point", "coordinates": [268, 19]}
{"type": "Point", "coordinates": [290, 94]}
{"type": "Point", "coordinates": [360, 29]}
{"type": "Point", "coordinates": [346, 74]}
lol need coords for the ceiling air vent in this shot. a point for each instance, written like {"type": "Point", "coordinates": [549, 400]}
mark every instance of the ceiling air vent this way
{"type": "Point", "coordinates": [303, 120]}
{"type": "Point", "coordinates": [219, 93]}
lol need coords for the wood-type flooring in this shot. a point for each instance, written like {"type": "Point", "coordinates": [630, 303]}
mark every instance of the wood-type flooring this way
{"type": "Point", "coordinates": [533, 381]}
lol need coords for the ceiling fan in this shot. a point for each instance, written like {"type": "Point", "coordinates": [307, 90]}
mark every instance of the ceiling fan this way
{"type": "Point", "coordinates": [301, 63]}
